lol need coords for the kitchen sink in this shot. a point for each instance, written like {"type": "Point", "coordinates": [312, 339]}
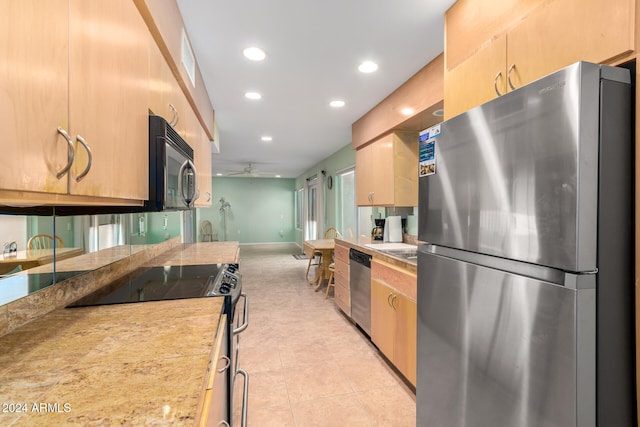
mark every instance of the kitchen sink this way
{"type": "Point", "coordinates": [410, 255]}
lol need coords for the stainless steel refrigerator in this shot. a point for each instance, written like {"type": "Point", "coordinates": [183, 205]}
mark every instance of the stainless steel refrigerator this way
{"type": "Point", "coordinates": [525, 290]}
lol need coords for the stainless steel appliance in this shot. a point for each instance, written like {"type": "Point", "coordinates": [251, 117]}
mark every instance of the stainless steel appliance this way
{"type": "Point", "coordinates": [360, 288]}
{"type": "Point", "coordinates": [525, 290]}
{"type": "Point", "coordinates": [173, 178]}
{"type": "Point", "coordinates": [188, 281]}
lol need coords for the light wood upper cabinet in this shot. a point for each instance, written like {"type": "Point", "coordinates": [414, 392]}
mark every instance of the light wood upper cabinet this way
{"type": "Point", "coordinates": [34, 94]}
{"type": "Point", "coordinates": [387, 171]}
{"type": "Point", "coordinates": [203, 165]}
{"type": "Point", "coordinates": [476, 80]}
{"type": "Point", "coordinates": [566, 31]}
{"type": "Point", "coordinates": [547, 37]}
{"type": "Point", "coordinates": [81, 67]}
{"type": "Point", "coordinates": [108, 101]}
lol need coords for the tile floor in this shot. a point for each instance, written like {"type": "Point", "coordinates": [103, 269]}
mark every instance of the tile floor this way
{"type": "Point", "coordinates": [308, 364]}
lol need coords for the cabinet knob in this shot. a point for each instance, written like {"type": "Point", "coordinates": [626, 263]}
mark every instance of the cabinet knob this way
{"type": "Point", "coordinates": [227, 364]}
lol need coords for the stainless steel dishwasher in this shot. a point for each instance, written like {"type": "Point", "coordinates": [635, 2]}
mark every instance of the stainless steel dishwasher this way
{"type": "Point", "coordinates": [360, 286]}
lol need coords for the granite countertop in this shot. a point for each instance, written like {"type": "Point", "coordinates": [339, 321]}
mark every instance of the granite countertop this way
{"type": "Point", "coordinates": [199, 253]}
{"type": "Point", "coordinates": [125, 364]}
{"type": "Point", "coordinates": [366, 245]}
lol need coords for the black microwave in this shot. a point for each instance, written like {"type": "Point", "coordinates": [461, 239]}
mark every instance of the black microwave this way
{"type": "Point", "coordinates": [173, 178]}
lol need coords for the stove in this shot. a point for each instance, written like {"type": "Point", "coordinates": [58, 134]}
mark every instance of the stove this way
{"type": "Point", "coordinates": [168, 283]}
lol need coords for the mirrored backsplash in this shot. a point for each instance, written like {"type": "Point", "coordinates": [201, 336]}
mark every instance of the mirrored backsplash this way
{"type": "Point", "coordinates": [39, 251]}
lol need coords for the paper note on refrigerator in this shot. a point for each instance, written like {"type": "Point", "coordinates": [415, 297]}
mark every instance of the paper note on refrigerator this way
{"type": "Point", "coordinates": [427, 153]}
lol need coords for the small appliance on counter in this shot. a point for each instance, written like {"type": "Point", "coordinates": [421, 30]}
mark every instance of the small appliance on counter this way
{"type": "Point", "coordinates": [377, 233]}
{"type": "Point", "coordinates": [394, 224]}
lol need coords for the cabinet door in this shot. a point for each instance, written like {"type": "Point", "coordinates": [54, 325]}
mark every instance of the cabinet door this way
{"type": "Point", "coordinates": [383, 323]}
{"type": "Point", "coordinates": [109, 98]}
{"type": "Point", "coordinates": [33, 94]}
{"type": "Point", "coordinates": [566, 31]}
{"type": "Point", "coordinates": [363, 176]}
{"type": "Point", "coordinates": [472, 82]}
{"type": "Point", "coordinates": [382, 168]}
{"type": "Point", "coordinates": [162, 84]}
{"type": "Point", "coordinates": [404, 356]}
{"type": "Point", "coordinates": [203, 164]}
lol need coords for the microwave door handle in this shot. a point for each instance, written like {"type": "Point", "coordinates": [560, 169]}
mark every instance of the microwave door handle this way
{"type": "Point", "coordinates": [190, 198]}
{"type": "Point", "coordinates": [196, 188]}
{"type": "Point", "coordinates": [180, 185]}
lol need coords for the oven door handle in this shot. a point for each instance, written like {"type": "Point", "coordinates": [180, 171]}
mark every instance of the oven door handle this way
{"type": "Point", "coordinates": [245, 320]}
{"type": "Point", "coordinates": [245, 395]}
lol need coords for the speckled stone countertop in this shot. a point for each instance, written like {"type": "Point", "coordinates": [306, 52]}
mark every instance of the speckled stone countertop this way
{"type": "Point", "coordinates": [359, 243]}
{"type": "Point", "coordinates": [125, 364]}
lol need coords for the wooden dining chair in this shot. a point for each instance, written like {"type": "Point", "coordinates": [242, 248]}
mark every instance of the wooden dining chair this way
{"type": "Point", "coordinates": [207, 231]}
{"type": "Point", "coordinates": [44, 241]}
{"type": "Point", "coordinates": [330, 233]}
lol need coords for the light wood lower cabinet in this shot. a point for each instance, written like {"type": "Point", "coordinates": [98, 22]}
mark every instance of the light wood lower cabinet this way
{"type": "Point", "coordinates": [213, 406]}
{"type": "Point", "coordinates": [342, 292]}
{"type": "Point", "coordinates": [393, 318]}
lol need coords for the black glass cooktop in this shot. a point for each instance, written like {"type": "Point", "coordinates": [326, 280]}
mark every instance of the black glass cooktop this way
{"type": "Point", "coordinates": [154, 284]}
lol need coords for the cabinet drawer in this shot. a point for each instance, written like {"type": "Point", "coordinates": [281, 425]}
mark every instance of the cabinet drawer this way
{"type": "Point", "coordinates": [342, 298]}
{"type": "Point", "coordinates": [341, 253]}
{"type": "Point", "coordinates": [403, 281]}
{"type": "Point", "coordinates": [341, 271]}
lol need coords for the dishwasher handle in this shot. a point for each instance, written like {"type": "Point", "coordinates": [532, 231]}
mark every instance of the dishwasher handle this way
{"type": "Point", "coordinates": [360, 257]}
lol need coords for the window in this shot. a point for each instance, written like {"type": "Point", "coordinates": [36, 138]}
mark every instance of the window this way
{"type": "Point", "coordinates": [298, 203]}
{"type": "Point", "coordinates": [346, 215]}
{"type": "Point", "coordinates": [312, 219]}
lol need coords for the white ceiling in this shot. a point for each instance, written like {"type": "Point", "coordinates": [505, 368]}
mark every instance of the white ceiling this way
{"type": "Point", "coordinates": [313, 50]}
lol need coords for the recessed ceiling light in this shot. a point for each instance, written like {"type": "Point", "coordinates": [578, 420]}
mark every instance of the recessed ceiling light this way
{"type": "Point", "coordinates": [254, 53]}
{"type": "Point", "coordinates": [277, 176]}
{"type": "Point", "coordinates": [337, 103]}
{"type": "Point", "coordinates": [218, 174]}
{"type": "Point", "coordinates": [368, 67]}
{"type": "Point", "coordinates": [253, 95]}
{"type": "Point", "coordinates": [267, 138]}
{"type": "Point", "coordinates": [407, 111]}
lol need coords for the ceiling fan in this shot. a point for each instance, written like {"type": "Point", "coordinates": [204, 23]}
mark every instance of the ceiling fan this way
{"type": "Point", "coordinates": [250, 171]}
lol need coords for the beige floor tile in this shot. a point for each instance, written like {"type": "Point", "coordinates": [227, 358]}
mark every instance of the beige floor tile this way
{"type": "Point", "coordinates": [304, 353]}
{"type": "Point", "coordinates": [315, 381]}
{"type": "Point", "coordinates": [260, 359]}
{"type": "Point", "coordinates": [365, 374]}
{"type": "Point", "coordinates": [266, 389]}
{"type": "Point", "coordinates": [270, 417]}
{"type": "Point", "coordinates": [331, 374]}
{"type": "Point", "coordinates": [390, 406]}
{"type": "Point", "coordinates": [345, 410]}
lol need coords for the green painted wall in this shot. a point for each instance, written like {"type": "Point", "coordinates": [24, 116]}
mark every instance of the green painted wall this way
{"type": "Point", "coordinates": [341, 159]}
{"type": "Point", "coordinates": [261, 209]}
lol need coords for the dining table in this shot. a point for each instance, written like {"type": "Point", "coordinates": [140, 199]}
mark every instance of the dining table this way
{"type": "Point", "coordinates": [325, 247]}
{"type": "Point", "coordinates": [30, 258]}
